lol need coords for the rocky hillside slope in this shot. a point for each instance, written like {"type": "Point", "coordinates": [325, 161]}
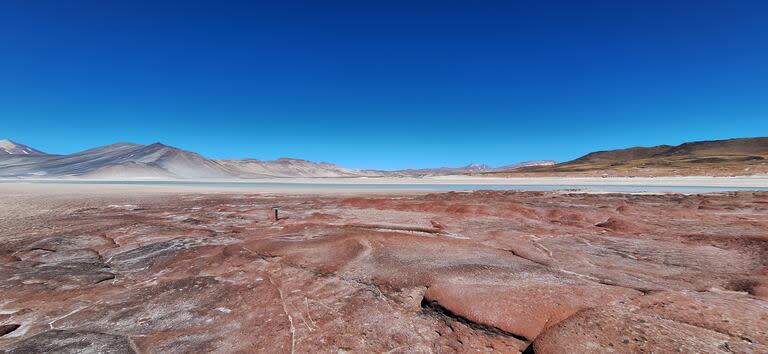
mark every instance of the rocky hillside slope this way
{"type": "Point", "coordinates": [733, 157]}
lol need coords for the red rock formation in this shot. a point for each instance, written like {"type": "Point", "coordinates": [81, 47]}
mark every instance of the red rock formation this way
{"type": "Point", "coordinates": [485, 271]}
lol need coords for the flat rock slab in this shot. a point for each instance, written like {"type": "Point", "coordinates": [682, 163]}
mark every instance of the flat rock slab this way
{"type": "Point", "coordinates": [72, 342]}
{"type": "Point", "coordinates": [684, 322]}
{"type": "Point", "coordinates": [524, 308]}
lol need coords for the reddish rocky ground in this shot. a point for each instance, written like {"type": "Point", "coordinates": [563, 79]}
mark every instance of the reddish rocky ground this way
{"type": "Point", "coordinates": [543, 272]}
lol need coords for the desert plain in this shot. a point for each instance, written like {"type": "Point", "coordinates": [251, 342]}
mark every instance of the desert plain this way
{"type": "Point", "coordinates": [153, 269]}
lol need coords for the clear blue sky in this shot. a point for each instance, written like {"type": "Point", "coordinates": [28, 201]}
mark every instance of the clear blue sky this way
{"type": "Point", "coordinates": [382, 84]}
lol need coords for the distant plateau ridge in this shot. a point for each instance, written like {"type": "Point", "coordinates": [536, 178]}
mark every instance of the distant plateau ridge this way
{"type": "Point", "coordinates": [159, 161]}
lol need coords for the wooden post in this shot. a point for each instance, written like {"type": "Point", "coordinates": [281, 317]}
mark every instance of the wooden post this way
{"type": "Point", "coordinates": [276, 210]}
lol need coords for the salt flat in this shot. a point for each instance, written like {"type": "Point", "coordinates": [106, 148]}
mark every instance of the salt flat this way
{"type": "Point", "coordinates": [439, 183]}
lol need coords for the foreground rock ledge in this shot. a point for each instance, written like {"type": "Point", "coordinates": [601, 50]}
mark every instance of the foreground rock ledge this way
{"type": "Point", "coordinates": [543, 272]}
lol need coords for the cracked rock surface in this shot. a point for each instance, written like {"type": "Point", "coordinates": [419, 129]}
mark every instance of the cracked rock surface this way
{"type": "Point", "coordinates": [487, 271]}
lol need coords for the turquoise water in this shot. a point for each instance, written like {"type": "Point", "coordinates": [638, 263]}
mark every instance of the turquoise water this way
{"type": "Point", "coordinates": [405, 186]}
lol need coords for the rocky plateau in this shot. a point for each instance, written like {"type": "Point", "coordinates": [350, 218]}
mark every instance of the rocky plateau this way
{"type": "Point", "coordinates": [486, 271]}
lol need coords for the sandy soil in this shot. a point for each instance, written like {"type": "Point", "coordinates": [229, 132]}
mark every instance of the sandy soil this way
{"type": "Point", "coordinates": [129, 269]}
{"type": "Point", "coordinates": [702, 181]}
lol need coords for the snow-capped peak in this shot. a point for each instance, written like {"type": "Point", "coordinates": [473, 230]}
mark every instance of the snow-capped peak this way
{"type": "Point", "coordinates": [8, 147]}
{"type": "Point", "coordinates": [478, 167]}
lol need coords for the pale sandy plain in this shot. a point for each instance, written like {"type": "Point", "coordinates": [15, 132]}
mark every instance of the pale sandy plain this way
{"type": "Point", "coordinates": [758, 181]}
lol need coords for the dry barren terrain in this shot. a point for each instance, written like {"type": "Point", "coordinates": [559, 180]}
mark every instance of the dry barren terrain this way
{"type": "Point", "coordinates": [545, 272]}
{"type": "Point", "coordinates": [732, 157]}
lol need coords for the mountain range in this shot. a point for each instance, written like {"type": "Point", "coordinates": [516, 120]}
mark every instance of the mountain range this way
{"type": "Point", "coordinates": [731, 157]}
{"type": "Point", "coordinates": [159, 161]}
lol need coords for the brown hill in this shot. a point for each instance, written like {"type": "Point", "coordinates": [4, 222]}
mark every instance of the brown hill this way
{"type": "Point", "coordinates": [732, 157]}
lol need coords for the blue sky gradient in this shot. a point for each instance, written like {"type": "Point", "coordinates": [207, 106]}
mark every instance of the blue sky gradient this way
{"type": "Point", "coordinates": [382, 84]}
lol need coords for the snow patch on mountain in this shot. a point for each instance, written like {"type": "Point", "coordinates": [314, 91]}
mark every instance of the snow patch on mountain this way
{"type": "Point", "coordinates": [8, 147]}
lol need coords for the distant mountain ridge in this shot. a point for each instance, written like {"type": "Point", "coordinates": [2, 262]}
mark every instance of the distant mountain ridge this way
{"type": "Point", "coordinates": [468, 169]}
{"type": "Point", "coordinates": [8, 147]}
{"type": "Point", "coordinates": [731, 157]}
{"type": "Point", "coordinates": [286, 167]}
{"type": "Point", "coordinates": [159, 161]}
{"type": "Point", "coordinates": [135, 160]}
